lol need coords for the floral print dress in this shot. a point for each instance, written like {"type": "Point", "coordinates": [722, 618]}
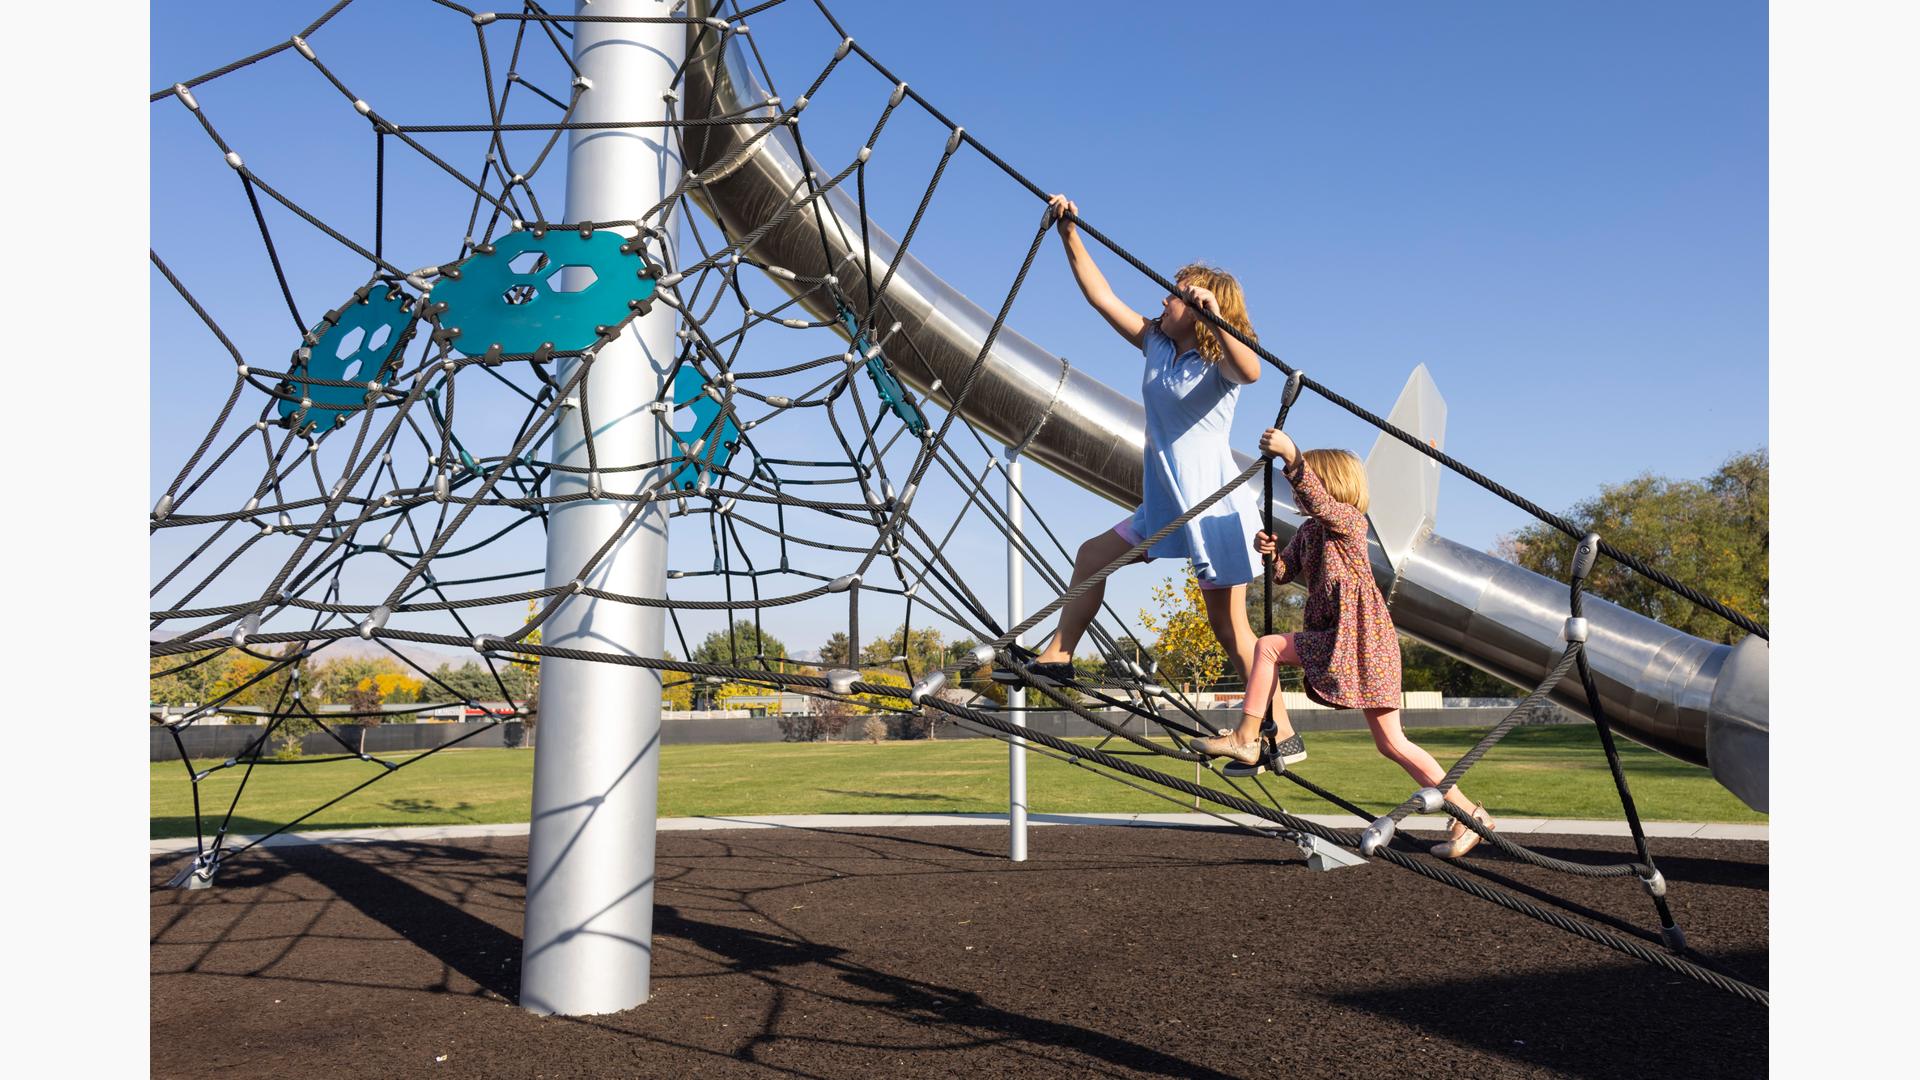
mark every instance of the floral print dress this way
{"type": "Point", "coordinates": [1348, 649]}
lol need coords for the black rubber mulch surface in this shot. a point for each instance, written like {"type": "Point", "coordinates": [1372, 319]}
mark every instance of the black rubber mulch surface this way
{"type": "Point", "coordinates": [923, 952]}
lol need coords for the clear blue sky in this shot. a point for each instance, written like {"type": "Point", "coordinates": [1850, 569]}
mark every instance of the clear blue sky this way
{"type": "Point", "coordinates": [1561, 210]}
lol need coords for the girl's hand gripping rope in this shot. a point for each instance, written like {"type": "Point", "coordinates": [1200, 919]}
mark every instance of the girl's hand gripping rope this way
{"type": "Point", "coordinates": [1274, 442]}
{"type": "Point", "coordinates": [1065, 213]}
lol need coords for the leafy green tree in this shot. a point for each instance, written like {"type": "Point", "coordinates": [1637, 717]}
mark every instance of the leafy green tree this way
{"type": "Point", "coordinates": [740, 648]}
{"type": "Point", "coordinates": [473, 682]}
{"type": "Point", "coordinates": [1710, 534]}
{"type": "Point", "coordinates": [835, 652]}
{"type": "Point", "coordinates": [1289, 605]}
{"type": "Point", "coordinates": [1426, 668]}
{"type": "Point", "coordinates": [189, 686]}
{"type": "Point", "coordinates": [924, 651]}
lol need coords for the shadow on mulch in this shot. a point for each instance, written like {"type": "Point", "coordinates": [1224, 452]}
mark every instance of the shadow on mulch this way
{"type": "Point", "coordinates": [923, 952]}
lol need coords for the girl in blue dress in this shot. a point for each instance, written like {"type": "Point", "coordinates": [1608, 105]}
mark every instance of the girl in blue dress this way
{"type": "Point", "coordinates": [1190, 384]}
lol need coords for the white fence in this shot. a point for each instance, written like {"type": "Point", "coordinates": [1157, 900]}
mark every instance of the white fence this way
{"type": "Point", "coordinates": [1295, 701]}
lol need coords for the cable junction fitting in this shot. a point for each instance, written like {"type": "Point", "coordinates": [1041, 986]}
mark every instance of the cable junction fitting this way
{"type": "Point", "coordinates": [375, 621]}
{"type": "Point", "coordinates": [932, 684]}
{"type": "Point", "coordinates": [1377, 835]}
{"type": "Point", "coordinates": [1584, 554]}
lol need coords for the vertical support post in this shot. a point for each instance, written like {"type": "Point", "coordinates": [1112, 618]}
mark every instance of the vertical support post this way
{"type": "Point", "coordinates": [590, 850]}
{"type": "Point", "coordinates": [1016, 698]}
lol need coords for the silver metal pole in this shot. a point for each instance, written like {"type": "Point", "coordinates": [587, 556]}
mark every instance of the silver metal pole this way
{"type": "Point", "coordinates": [596, 771]}
{"type": "Point", "coordinates": [1017, 698]}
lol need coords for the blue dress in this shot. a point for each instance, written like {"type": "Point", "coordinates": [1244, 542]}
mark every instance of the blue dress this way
{"type": "Point", "coordinates": [1189, 406]}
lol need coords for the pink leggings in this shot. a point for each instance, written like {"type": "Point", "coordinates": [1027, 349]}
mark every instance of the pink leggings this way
{"type": "Point", "coordinates": [1268, 654]}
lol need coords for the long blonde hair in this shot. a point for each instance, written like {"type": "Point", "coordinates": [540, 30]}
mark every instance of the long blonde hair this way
{"type": "Point", "coordinates": [1341, 473]}
{"type": "Point", "coordinates": [1233, 306]}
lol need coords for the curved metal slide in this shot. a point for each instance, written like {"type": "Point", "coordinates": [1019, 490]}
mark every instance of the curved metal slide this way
{"type": "Point", "coordinates": [1696, 700]}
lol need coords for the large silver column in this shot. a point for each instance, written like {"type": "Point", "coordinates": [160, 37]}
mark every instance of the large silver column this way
{"type": "Point", "coordinates": [596, 770]}
{"type": "Point", "coordinates": [1017, 696]}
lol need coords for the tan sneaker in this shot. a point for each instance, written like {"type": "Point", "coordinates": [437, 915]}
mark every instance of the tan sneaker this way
{"type": "Point", "coordinates": [1224, 746]}
{"type": "Point", "coordinates": [1461, 839]}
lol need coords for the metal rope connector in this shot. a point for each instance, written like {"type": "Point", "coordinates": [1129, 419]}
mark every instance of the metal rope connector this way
{"type": "Point", "coordinates": [1656, 884]}
{"type": "Point", "coordinates": [1575, 630]}
{"type": "Point", "coordinates": [841, 680]}
{"type": "Point", "coordinates": [1431, 800]}
{"type": "Point", "coordinates": [198, 874]}
{"type": "Point", "coordinates": [1584, 554]}
{"type": "Point", "coordinates": [932, 684]}
{"type": "Point", "coordinates": [844, 582]}
{"type": "Point", "coordinates": [1377, 835]}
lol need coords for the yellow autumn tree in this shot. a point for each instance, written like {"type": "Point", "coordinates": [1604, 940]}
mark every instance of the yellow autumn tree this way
{"type": "Point", "coordinates": [1188, 652]}
{"type": "Point", "coordinates": [391, 686]}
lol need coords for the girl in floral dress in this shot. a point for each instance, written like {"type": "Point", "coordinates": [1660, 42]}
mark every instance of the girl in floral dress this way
{"type": "Point", "coordinates": [1348, 651]}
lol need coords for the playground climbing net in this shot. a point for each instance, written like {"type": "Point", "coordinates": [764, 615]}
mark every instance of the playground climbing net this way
{"type": "Point", "coordinates": [378, 476]}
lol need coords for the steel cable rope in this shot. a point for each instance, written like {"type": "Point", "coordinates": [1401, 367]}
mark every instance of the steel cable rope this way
{"type": "Point", "coordinates": [920, 466]}
{"type": "Point", "coordinates": [1624, 558]}
{"type": "Point", "coordinates": [1292, 822]}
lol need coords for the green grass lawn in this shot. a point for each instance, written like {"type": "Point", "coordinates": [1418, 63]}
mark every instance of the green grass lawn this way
{"type": "Point", "coordinates": [1536, 772]}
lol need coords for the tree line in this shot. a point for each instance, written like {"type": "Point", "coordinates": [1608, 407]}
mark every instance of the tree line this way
{"type": "Point", "coordinates": [1711, 533]}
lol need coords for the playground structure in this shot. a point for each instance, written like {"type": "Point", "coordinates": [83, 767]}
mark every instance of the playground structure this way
{"type": "Point", "coordinates": [663, 112]}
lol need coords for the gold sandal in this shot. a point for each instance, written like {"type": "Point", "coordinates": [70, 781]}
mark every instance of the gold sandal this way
{"type": "Point", "coordinates": [1224, 746]}
{"type": "Point", "coordinates": [1461, 839]}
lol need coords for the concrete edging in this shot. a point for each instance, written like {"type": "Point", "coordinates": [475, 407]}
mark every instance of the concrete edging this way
{"type": "Point", "coordinates": [1694, 830]}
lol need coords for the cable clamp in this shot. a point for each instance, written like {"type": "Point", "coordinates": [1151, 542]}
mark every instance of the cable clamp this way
{"type": "Point", "coordinates": [1431, 800]}
{"type": "Point", "coordinates": [1575, 630]}
{"type": "Point", "coordinates": [186, 96]}
{"type": "Point", "coordinates": [300, 46]}
{"type": "Point", "coordinates": [1377, 835]}
{"type": "Point", "coordinates": [1584, 554]}
{"type": "Point", "coordinates": [932, 684]}
{"type": "Point", "coordinates": [1656, 885]}
{"type": "Point", "coordinates": [841, 680]}
{"type": "Point", "coordinates": [844, 582]}
{"type": "Point", "coordinates": [377, 620]}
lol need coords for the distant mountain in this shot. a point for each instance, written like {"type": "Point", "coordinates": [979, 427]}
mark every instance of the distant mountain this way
{"type": "Point", "coordinates": [353, 646]}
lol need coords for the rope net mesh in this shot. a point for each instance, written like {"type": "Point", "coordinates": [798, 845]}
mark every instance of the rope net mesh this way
{"type": "Point", "coordinates": [379, 466]}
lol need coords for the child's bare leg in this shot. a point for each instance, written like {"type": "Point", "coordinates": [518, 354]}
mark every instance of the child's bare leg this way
{"type": "Point", "coordinates": [1392, 742]}
{"type": "Point", "coordinates": [1227, 614]}
{"type": "Point", "coordinates": [1095, 554]}
{"type": "Point", "coordinates": [1263, 688]}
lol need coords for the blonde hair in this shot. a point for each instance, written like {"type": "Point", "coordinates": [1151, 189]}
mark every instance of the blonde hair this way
{"type": "Point", "coordinates": [1341, 473]}
{"type": "Point", "coordinates": [1233, 306]}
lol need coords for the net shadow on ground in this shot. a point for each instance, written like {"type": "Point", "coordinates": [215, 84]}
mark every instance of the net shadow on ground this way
{"type": "Point", "coordinates": [813, 953]}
